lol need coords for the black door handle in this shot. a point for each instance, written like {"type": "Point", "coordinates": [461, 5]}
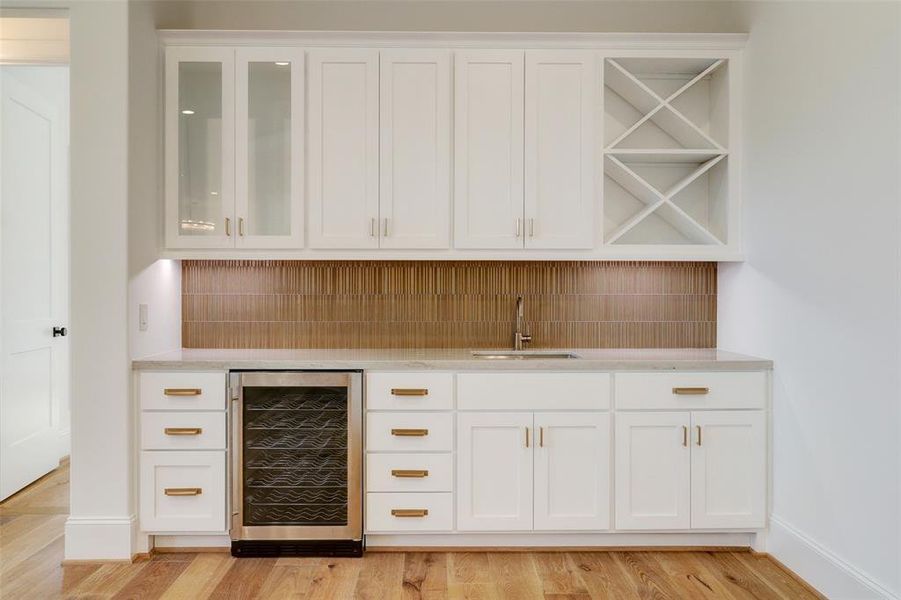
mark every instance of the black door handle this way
{"type": "Point", "coordinates": [60, 332]}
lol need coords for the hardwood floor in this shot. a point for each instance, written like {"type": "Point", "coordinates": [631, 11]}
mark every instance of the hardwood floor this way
{"type": "Point", "coordinates": [31, 549]}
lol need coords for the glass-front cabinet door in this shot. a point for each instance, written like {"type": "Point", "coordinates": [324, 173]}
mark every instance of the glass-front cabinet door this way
{"type": "Point", "coordinates": [269, 147]}
{"type": "Point", "coordinates": [199, 147]}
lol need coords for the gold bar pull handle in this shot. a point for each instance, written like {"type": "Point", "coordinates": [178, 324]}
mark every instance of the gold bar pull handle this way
{"type": "Point", "coordinates": [415, 473]}
{"type": "Point", "coordinates": [181, 392]}
{"type": "Point", "coordinates": [699, 434]}
{"type": "Point", "coordinates": [541, 437]}
{"type": "Point", "coordinates": [409, 391]}
{"type": "Point", "coordinates": [691, 391]}
{"type": "Point", "coordinates": [183, 430]}
{"type": "Point", "coordinates": [527, 437]}
{"type": "Point", "coordinates": [228, 227]}
{"type": "Point", "coordinates": [241, 226]}
{"type": "Point", "coordinates": [410, 432]}
{"type": "Point", "coordinates": [685, 436]}
{"type": "Point", "coordinates": [183, 491]}
{"type": "Point", "coordinates": [409, 512]}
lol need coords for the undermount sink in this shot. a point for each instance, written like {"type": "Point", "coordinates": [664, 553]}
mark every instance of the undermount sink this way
{"type": "Point", "coordinates": [522, 354]}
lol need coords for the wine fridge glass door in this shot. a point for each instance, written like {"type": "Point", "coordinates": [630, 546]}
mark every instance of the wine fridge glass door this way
{"type": "Point", "coordinates": [296, 456]}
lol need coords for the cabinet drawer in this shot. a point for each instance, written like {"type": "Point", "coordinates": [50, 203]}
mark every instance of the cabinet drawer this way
{"type": "Point", "coordinates": [409, 432]}
{"type": "Point", "coordinates": [409, 472]}
{"type": "Point", "coordinates": [182, 391]}
{"type": "Point", "coordinates": [410, 391]}
{"type": "Point", "coordinates": [409, 512]}
{"type": "Point", "coordinates": [533, 391]}
{"type": "Point", "coordinates": [183, 430]}
{"type": "Point", "coordinates": [690, 390]}
{"type": "Point", "coordinates": [182, 491]}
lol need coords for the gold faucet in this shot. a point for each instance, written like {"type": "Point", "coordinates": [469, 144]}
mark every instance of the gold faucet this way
{"type": "Point", "coordinates": [520, 338]}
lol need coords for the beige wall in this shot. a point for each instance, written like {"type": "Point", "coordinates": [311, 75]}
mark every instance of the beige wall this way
{"type": "Point", "coordinates": [465, 15]}
{"type": "Point", "coordinates": [819, 292]}
{"type": "Point", "coordinates": [156, 283]}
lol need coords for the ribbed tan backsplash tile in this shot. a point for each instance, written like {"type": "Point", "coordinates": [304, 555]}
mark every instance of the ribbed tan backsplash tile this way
{"type": "Point", "coordinates": [395, 304]}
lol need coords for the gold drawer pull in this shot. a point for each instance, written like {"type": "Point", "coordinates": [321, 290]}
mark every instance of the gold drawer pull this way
{"type": "Point", "coordinates": [181, 391]}
{"type": "Point", "coordinates": [410, 432]}
{"type": "Point", "coordinates": [690, 391]}
{"type": "Point", "coordinates": [410, 472]}
{"type": "Point", "coordinates": [409, 512]}
{"type": "Point", "coordinates": [183, 430]}
{"type": "Point", "coordinates": [409, 391]}
{"type": "Point", "coordinates": [183, 491]}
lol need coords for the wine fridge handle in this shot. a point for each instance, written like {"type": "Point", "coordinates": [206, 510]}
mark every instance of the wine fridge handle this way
{"type": "Point", "coordinates": [233, 464]}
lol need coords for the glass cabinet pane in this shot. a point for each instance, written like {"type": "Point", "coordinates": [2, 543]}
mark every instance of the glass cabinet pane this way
{"type": "Point", "coordinates": [200, 210]}
{"type": "Point", "coordinates": [269, 148]}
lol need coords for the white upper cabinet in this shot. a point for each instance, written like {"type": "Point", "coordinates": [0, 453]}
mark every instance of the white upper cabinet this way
{"type": "Point", "coordinates": [200, 150]}
{"type": "Point", "coordinates": [524, 166]}
{"type": "Point", "coordinates": [560, 163]}
{"type": "Point", "coordinates": [343, 148]}
{"type": "Point", "coordinates": [423, 146]}
{"type": "Point", "coordinates": [234, 147]}
{"type": "Point", "coordinates": [488, 149]}
{"type": "Point", "coordinates": [269, 162]}
{"type": "Point", "coordinates": [414, 149]}
{"type": "Point", "coordinates": [670, 162]}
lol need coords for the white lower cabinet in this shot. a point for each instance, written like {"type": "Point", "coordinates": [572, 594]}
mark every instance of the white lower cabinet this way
{"type": "Point", "coordinates": [183, 427]}
{"type": "Point", "coordinates": [182, 491]}
{"type": "Point", "coordinates": [494, 471]}
{"type": "Point", "coordinates": [728, 470]}
{"type": "Point", "coordinates": [409, 512]}
{"type": "Point", "coordinates": [533, 471]}
{"type": "Point", "coordinates": [652, 470]}
{"type": "Point", "coordinates": [572, 471]}
{"type": "Point", "coordinates": [698, 470]}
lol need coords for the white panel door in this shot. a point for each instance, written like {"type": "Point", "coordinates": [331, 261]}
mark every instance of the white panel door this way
{"type": "Point", "coordinates": [559, 149]}
{"type": "Point", "coordinates": [572, 471]}
{"type": "Point", "coordinates": [33, 285]}
{"type": "Point", "coordinates": [488, 149]}
{"type": "Point", "coordinates": [200, 147]}
{"type": "Point", "coordinates": [343, 148]}
{"type": "Point", "coordinates": [652, 470]}
{"type": "Point", "coordinates": [269, 162]}
{"type": "Point", "coordinates": [728, 469]}
{"type": "Point", "coordinates": [494, 471]}
{"type": "Point", "coordinates": [414, 155]}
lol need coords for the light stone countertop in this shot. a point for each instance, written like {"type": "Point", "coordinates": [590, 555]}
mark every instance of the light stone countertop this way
{"type": "Point", "coordinates": [457, 359]}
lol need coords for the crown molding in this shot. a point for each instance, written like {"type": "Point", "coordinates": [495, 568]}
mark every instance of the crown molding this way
{"type": "Point", "coordinates": [450, 39]}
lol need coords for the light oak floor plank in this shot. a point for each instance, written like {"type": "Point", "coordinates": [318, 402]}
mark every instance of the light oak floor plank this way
{"type": "Point", "coordinates": [200, 578]}
{"type": "Point", "coordinates": [425, 576]}
{"type": "Point", "coordinates": [31, 551]}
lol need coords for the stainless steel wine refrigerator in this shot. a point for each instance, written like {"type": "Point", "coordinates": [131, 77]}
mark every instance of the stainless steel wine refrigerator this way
{"type": "Point", "coordinates": [296, 456]}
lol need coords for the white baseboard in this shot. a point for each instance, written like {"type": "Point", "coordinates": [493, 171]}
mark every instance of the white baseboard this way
{"type": "Point", "coordinates": [192, 541]}
{"type": "Point", "coordinates": [818, 566]}
{"type": "Point", "coordinates": [99, 538]}
{"type": "Point", "coordinates": [588, 540]}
